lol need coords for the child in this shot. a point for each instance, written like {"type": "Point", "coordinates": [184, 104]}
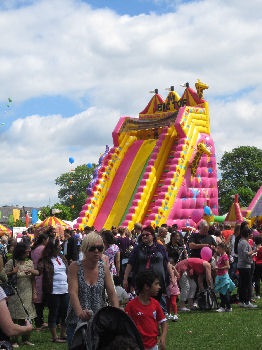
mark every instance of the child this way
{"type": "Point", "coordinates": [146, 311]}
{"type": "Point", "coordinates": [223, 283]}
{"type": "Point", "coordinates": [122, 295]}
{"type": "Point", "coordinates": [172, 294]}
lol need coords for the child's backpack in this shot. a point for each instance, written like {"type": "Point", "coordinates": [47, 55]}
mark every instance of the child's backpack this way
{"type": "Point", "coordinates": [207, 300]}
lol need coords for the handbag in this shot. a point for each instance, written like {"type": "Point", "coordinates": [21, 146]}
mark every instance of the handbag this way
{"type": "Point", "coordinates": [8, 289]}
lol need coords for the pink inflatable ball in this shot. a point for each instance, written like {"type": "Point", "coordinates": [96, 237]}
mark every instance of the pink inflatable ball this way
{"type": "Point", "coordinates": [206, 253]}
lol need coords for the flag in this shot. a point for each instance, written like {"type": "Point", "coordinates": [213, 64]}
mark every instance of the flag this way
{"type": "Point", "coordinates": [26, 219]}
{"type": "Point", "coordinates": [16, 214]}
{"type": "Point", "coordinates": [34, 215]}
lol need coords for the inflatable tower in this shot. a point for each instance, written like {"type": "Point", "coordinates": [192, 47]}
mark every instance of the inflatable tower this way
{"type": "Point", "coordinates": [161, 168]}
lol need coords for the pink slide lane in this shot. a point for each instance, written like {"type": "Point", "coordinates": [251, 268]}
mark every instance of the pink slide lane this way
{"type": "Point", "coordinates": [116, 184]}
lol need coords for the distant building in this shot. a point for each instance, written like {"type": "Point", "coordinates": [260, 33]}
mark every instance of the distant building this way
{"type": "Point", "coordinates": [7, 210]}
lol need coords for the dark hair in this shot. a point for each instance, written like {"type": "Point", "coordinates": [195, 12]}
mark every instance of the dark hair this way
{"type": "Point", "coordinates": [50, 250]}
{"type": "Point", "coordinates": [151, 230]}
{"type": "Point", "coordinates": [108, 237]}
{"type": "Point", "coordinates": [145, 278]}
{"type": "Point", "coordinates": [258, 240]}
{"type": "Point", "coordinates": [224, 247]}
{"type": "Point", "coordinates": [19, 251]}
{"type": "Point", "coordinates": [244, 231]}
{"type": "Point", "coordinates": [39, 240]}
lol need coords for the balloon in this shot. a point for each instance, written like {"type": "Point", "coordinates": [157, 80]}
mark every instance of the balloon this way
{"type": "Point", "coordinates": [207, 210]}
{"type": "Point", "coordinates": [71, 160]}
{"type": "Point", "coordinates": [89, 165]}
{"type": "Point", "coordinates": [206, 253]}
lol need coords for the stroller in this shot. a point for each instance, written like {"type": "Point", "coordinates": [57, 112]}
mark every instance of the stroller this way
{"type": "Point", "coordinates": [109, 329]}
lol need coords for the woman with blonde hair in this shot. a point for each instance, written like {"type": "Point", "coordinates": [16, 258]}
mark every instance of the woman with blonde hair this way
{"type": "Point", "coordinates": [88, 280]}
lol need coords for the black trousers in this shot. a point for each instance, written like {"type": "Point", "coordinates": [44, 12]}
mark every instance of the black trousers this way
{"type": "Point", "coordinates": [245, 285]}
{"type": "Point", "coordinates": [225, 300]}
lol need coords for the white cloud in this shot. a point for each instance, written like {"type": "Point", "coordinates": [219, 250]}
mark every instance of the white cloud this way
{"type": "Point", "coordinates": [64, 48]}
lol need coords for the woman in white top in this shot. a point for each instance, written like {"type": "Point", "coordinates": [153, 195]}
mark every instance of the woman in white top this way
{"type": "Point", "coordinates": [53, 266]}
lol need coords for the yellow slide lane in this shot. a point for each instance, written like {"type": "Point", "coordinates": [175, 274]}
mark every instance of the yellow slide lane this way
{"type": "Point", "coordinates": [129, 184]}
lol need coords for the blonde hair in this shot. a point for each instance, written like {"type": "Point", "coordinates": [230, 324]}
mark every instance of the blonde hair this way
{"type": "Point", "coordinates": [90, 239]}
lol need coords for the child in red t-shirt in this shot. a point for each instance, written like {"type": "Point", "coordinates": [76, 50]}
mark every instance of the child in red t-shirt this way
{"type": "Point", "coordinates": [146, 311]}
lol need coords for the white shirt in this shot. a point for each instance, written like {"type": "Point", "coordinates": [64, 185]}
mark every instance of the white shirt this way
{"type": "Point", "coordinates": [60, 285]}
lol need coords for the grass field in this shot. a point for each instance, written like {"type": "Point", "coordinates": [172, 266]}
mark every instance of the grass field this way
{"type": "Point", "coordinates": [237, 330]}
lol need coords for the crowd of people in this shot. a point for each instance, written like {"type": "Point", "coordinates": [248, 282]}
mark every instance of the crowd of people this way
{"type": "Point", "coordinates": [147, 271]}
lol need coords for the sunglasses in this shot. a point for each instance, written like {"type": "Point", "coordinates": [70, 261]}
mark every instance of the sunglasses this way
{"type": "Point", "coordinates": [92, 248]}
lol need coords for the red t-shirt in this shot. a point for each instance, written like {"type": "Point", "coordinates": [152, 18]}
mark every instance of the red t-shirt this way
{"type": "Point", "coordinates": [259, 256]}
{"type": "Point", "coordinates": [146, 318]}
{"type": "Point", "coordinates": [196, 265]}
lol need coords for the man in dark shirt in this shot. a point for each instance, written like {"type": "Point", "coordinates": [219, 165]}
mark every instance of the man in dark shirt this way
{"type": "Point", "coordinates": [72, 253]}
{"type": "Point", "coordinates": [200, 240]}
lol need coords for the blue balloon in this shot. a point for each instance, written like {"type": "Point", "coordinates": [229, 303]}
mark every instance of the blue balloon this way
{"type": "Point", "coordinates": [71, 160]}
{"type": "Point", "coordinates": [89, 165]}
{"type": "Point", "coordinates": [207, 210]}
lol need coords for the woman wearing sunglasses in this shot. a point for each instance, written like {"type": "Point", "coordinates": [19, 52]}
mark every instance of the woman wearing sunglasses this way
{"type": "Point", "coordinates": [88, 280]}
{"type": "Point", "coordinates": [149, 255]}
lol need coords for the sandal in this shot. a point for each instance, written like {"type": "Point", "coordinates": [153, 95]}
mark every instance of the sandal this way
{"type": "Point", "coordinates": [58, 340]}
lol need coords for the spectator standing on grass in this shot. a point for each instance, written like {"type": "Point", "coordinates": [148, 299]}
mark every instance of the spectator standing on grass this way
{"type": "Point", "coordinates": [23, 268]}
{"type": "Point", "coordinates": [112, 251]}
{"type": "Point", "coordinates": [53, 267]}
{"type": "Point", "coordinates": [88, 280]}
{"type": "Point", "coordinates": [147, 313]}
{"type": "Point", "coordinates": [223, 284]}
{"type": "Point", "coordinates": [175, 248]}
{"type": "Point", "coordinates": [36, 254]}
{"type": "Point", "coordinates": [233, 253]}
{"type": "Point", "coordinates": [199, 240]}
{"type": "Point", "coordinates": [244, 265]}
{"type": "Point", "coordinates": [172, 295]}
{"type": "Point", "coordinates": [149, 255]}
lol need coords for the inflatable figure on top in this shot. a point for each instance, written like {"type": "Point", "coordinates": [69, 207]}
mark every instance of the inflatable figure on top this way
{"type": "Point", "coordinates": [161, 168]}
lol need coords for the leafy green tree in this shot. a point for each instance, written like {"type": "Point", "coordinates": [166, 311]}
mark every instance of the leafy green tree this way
{"type": "Point", "coordinates": [19, 223]}
{"type": "Point", "coordinates": [241, 172]}
{"type": "Point", "coordinates": [72, 192]}
{"type": "Point", "coordinates": [64, 214]}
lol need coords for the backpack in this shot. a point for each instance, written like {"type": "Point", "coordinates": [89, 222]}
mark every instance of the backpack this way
{"type": "Point", "coordinates": [207, 300]}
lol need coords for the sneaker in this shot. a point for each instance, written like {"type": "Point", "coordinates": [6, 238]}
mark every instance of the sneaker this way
{"type": "Point", "coordinates": [228, 309]}
{"type": "Point", "coordinates": [184, 309]}
{"type": "Point", "coordinates": [15, 345]}
{"type": "Point", "coordinates": [250, 306]}
{"type": "Point", "coordinates": [175, 318]}
{"type": "Point", "coordinates": [28, 343]}
{"type": "Point", "coordinates": [241, 304]}
{"type": "Point", "coordinates": [221, 309]}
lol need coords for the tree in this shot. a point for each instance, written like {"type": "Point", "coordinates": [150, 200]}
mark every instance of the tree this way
{"type": "Point", "coordinates": [65, 212]}
{"type": "Point", "coordinates": [241, 172]}
{"type": "Point", "coordinates": [73, 188]}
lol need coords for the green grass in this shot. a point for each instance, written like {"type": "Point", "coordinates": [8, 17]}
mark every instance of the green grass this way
{"type": "Point", "coordinates": [240, 329]}
{"type": "Point", "coordinates": [237, 330]}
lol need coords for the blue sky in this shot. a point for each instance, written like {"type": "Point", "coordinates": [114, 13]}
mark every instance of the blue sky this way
{"type": "Point", "coordinates": [73, 67]}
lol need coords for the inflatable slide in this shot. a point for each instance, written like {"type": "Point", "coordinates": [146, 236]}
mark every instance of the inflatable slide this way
{"type": "Point", "coordinates": [161, 168]}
